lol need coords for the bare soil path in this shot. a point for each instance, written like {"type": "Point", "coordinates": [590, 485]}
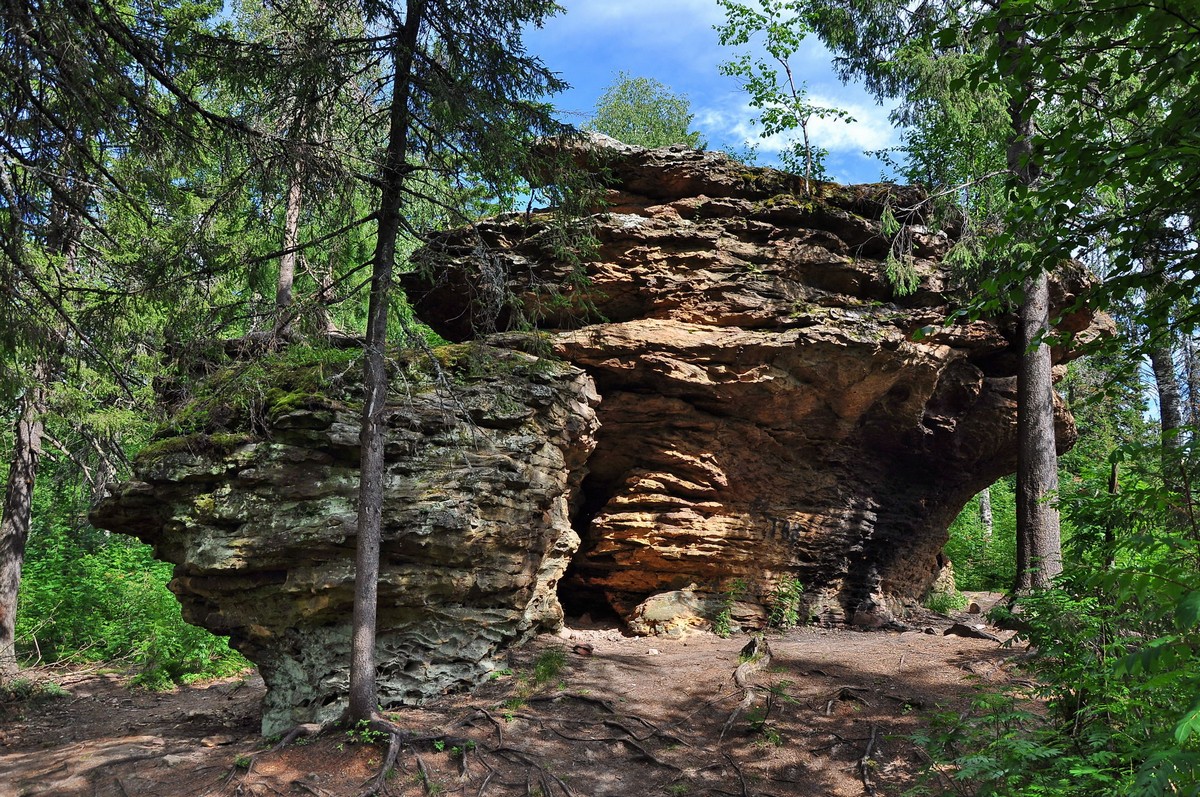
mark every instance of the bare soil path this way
{"type": "Point", "coordinates": [622, 716]}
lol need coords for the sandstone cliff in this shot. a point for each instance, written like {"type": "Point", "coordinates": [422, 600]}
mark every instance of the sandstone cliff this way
{"type": "Point", "coordinates": [741, 397]}
{"type": "Point", "coordinates": [768, 410]}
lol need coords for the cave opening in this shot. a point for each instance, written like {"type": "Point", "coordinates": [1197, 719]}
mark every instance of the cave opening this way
{"type": "Point", "coordinates": [577, 596]}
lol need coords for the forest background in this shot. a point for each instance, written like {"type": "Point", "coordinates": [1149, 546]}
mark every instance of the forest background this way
{"type": "Point", "coordinates": [173, 173]}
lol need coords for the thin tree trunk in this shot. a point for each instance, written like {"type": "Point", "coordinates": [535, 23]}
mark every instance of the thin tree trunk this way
{"type": "Point", "coordinates": [363, 691]}
{"type": "Point", "coordinates": [18, 511]}
{"type": "Point", "coordinates": [1191, 357]}
{"type": "Point", "coordinates": [1039, 543]}
{"type": "Point", "coordinates": [985, 515]}
{"type": "Point", "coordinates": [287, 261]}
{"type": "Point", "coordinates": [1162, 362]}
{"type": "Point", "coordinates": [321, 315]}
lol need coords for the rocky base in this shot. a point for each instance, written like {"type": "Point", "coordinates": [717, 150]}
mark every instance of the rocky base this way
{"type": "Point", "coordinates": [261, 525]}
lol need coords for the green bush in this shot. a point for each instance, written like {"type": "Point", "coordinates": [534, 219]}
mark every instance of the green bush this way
{"type": "Point", "coordinates": [1117, 664]}
{"type": "Point", "coordinates": [90, 596]}
{"type": "Point", "coordinates": [785, 603]}
{"type": "Point", "coordinates": [946, 602]}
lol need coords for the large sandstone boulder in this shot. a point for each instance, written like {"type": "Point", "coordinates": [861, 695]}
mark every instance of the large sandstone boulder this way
{"type": "Point", "coordinates": [257, 511]}
{"type": "Point", "coordinates": [773, 409]}
{"type": "Point", "coordinates": [772, 405]}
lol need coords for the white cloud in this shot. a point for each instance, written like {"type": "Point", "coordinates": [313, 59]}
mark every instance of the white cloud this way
{"type": "Point", "coordinates": [633, 13]}
{"type": "Point", "coordinates": [733, 123]}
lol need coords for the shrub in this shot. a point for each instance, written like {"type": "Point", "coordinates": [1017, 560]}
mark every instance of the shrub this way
{"type": "Point", "coordinates": [90, 596]}
{"type": "Point", "coordinates": [1117, 662]}
{"type": "Point", "coordinates": [945, 602]}
{"type": "Point", "coordinates": [785, 603]}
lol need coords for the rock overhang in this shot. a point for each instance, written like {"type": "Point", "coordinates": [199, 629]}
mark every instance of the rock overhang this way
{"type": "Point", "coordinates": [728, 316]}
{"type": "Point", "coordinates": [767, 413]}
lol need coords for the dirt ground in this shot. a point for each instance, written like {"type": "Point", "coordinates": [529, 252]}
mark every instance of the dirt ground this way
{"type": "Point", "coordinates": [827, 715]}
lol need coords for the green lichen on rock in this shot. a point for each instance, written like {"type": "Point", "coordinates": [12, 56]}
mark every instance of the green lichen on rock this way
{"type": "Point", "coordinates": [248, 394]}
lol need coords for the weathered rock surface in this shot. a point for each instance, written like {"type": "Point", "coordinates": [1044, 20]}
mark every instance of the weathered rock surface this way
{"type": "Point", "coordinates": [768, 413]}
{"type": "Point", "coordinates": [768, 410]}
{"type": "Point", "coordinates": [476, 531]}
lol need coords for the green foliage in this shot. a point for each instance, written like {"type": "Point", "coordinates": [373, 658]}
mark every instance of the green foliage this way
{"type": "Point", "coordinates": [242, 396]}
{"type": "Point", "coordinates": [1117, 657]}
{"type": "Point", "coordinates": [723, 622]}
{"type": "Point", "coordinates": [946, 602]}
{"type": "Point", "coordinates": [782, 103]}
{"type": "Point", "coordinates": [1122, 144]}
{"type": "Point", "coordinates": [549, 666]}
{"type": "Point", "coordinates": [983, 562]}
{"type": "Point", "coordinates": [361, 732]}
{"type": "Point", "coordinates": [785, 603]}
{"type": "Point", "coordinates": [30, 691]}
{"type": "Point", "coordinates": [644, 112]}
{"type": "Point", "coordinates": [96, 597]}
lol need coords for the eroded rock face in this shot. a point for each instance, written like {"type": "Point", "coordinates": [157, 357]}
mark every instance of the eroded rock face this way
{"type": "Point", "coordinates": [768, 413]}
{"type": "Point", "coordinates": [768, 410]}
{"type": "Point", "coordinates": [476, 531]}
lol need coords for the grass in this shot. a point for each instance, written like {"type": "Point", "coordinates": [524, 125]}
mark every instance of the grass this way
{"type": "Point", "coordinates": [549, 666]}
{"type": "Point", "coordinates": [945, 602]}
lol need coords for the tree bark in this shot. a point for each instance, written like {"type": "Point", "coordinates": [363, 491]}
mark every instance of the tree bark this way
{"type": "Point", "coordinates": [1039, 542]}
{"type": "Point", "coordinates": [363, 690]}
{"type": "Point", "coordinates": [18, 511]}
{"type": "Point", "coordinates": [287, 261]}
{"type": "Point", "coordinates": [1162, 363]}
{"type": "Point", "coordinates": [985, 515]}
{"type": "Point", "coordinates": [1191, 366]}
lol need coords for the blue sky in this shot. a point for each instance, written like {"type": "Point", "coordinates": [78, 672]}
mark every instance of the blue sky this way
{"type": "Point", "coordinates": [674, 42]}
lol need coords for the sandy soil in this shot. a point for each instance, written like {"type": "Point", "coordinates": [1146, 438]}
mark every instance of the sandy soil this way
{"type": "Point", "coordinates": [827, 715]}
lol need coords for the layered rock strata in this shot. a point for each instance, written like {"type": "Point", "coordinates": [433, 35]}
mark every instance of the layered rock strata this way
{"type": "Point", "coordinates": [773, 409]}
{"type": "Point", "coordinates": [258, 514]}
{"type": "Point", "coordinates": [773, 405]}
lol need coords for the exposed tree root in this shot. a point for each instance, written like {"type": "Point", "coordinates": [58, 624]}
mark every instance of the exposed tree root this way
{"type": "Point", "coordinates": [866, 764]}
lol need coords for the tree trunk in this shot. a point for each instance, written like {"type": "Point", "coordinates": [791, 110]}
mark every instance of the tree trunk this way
{"type": "Point", "coordinates": [322, 319]}
{"type": "Point", "coordinates": [1191, 358]}
{"type": "Point", "coordinates": [18, 510]}
{"type": "Point", "coordinates": [1162, 362]}
{"type": "Point", "coordinates": [985, 515]}
{"type": "Point", "coordinates": [287, 261]}
{"type": "Point", "coordinates": [363, 691]}
{"type": "Point", "coordinates": [1039, 543]}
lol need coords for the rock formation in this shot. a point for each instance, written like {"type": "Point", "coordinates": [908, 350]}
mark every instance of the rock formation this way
{"type": "Point", "coordinates": [260, 521]}
{"type": "Point", "coordinates": [770, 406]}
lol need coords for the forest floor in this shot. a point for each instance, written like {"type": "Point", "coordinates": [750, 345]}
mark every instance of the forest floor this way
{"type": "Point", "coordinates": [632, 717]}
